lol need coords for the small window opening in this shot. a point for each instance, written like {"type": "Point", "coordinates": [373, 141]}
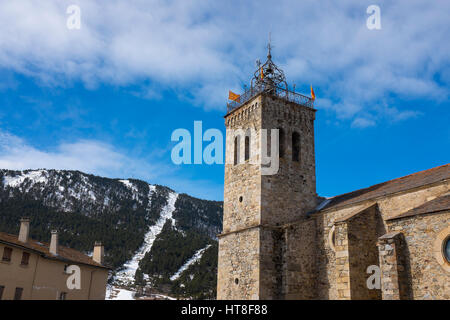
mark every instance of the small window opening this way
{"type": "Point", "coordinates": [296, 146]}
{"type": "Point", "coordinates": [236, 150]}
{"type": "Point", "coordinates": [247, 147]}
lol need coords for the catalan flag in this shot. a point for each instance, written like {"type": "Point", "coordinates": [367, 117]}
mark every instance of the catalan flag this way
{"type": "Point", "coordinates": [313, 95]}
{"type": "Point", "coordinates": [262, 73]}
{"type": "Point", "coordinates": [234, 96]}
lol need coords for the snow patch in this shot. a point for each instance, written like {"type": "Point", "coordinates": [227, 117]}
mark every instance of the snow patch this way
{"type": "Point", "coordinates": [134, 190]}
{"type": "Point", "coordinates": [113, 293]}
{"type": "Point", "coordinates": [37, 176]}
{"type": "Point", "coordinates": [196, 257]}
{"type": "Point", "coordinates": [162, 297]}
{"type": "Point", "coordinates": [126, 276]}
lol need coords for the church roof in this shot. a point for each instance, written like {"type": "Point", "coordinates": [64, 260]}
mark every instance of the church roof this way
{"type": "Point", "coordinates": [438, 204]}
{"type": "Point", "coordinates": [411, 181]}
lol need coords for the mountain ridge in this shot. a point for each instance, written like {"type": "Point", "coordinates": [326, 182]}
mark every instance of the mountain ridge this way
{"type": "Point", "coordinates": [119, 212]}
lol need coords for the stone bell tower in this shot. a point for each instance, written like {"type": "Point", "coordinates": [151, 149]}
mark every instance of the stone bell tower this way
{"type": "Point", "coordinates": [258, 202]}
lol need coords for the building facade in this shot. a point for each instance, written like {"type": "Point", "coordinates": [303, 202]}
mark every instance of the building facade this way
{"type": "Point", "coordinates": [31, 270]}
{"type": "Point", "coordinates": [280, 240]}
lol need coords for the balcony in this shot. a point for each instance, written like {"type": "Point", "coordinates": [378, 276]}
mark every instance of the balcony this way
{"type": "Point", "coordinates": [276, 91]}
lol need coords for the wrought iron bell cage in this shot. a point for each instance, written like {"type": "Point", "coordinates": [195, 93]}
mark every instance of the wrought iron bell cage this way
{"type": "Point", "coordinates": [270, 79]}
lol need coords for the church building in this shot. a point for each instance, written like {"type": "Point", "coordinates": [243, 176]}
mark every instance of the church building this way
{"type": "Point", "coordinates": [280, 240]}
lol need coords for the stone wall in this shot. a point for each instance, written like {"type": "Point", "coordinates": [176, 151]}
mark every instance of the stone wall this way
{"type": "Point", "coordinates": [239, 244]}
{"type": "Point", "coordinates": [299, 261]}
{"type": "Point", "coordinates": [363, 252]}
{"type": "Point", "coordinates": [239, 267]}
{"type": "Point", "coordinates": [395, 280]}
{"type": "Point", "coordinates": [342, 263]}
{"type": "Point", "coordinates": [242, 185]}
{"type": "Point", "coordinates": [356, 238]}
{"type": "Point", "coordinates": [271, 259]}
{"type": "Point", "coordinates": [388, 206]}
{"type": "Point", "coordinates": [288, 195]}
{"type": "Point", "coordinates": [427, 278]}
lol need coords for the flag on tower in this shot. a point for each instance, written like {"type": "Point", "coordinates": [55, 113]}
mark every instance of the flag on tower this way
{"type": "Point", "coordinates": [234, 96]}
{"type": "Point", "coordinates": [262, 73]}
{"type": "Point", "coordinates": [313, 95]}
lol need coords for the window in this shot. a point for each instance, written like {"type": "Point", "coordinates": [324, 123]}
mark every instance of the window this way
{"type": "Point", "coordinates": [18, 294]}
{"type": "Point", "coordinates": [441, 248]}
{"type": "Point", "coordinates": [25, 259]}
{"type": "Point", "coordinates": [247, 147]}
{"type": "Point", "coordinates": [295, 146]}
{"type": "Point", "coordinates": [236, 150]}
{"type": "Point", "coordinates": [1, 291]}
{"type": "Point", "coordinates": [447, 249]}
{"type": "Point", "coordinates": [63, 296]}
{"type": "Point", "coordinates": [281, 142]}
{"type": "Point", "coordinates": [7, 252]}
{"type": "Point", "coordinates": [269, 142]}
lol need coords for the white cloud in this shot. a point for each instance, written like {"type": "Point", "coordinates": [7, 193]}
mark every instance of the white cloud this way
{"type": "Point", "coordinates": [199, 49]}
{"type": "Point", "coordinates": [395, 115]}
{"type": "Point", "coordinates": [362, 123]}
{"type": "Point", "coordinates": [89, 156]}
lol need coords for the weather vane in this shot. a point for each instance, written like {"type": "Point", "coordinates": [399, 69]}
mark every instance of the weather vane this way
{"type": "Point", "coordinates": [268, 77]}
{"type": "Point", "coordinates": [269, 47]}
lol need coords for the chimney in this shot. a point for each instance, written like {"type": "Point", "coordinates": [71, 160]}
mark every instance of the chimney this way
{"type": "Point", "coordinates": [24, 230]}
{"type": "Point", "coordinates": [54, 243]}
{"type": "Point", "coordinates": [99, 252]}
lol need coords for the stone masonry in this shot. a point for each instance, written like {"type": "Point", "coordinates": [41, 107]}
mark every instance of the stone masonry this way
{"type": "Point", "coordinates": [281, 241]}
{"type": "Point", "coordinates": [257, 205]}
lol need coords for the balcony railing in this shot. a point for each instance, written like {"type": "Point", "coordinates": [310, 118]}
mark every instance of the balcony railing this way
{"type": "Point", "coordinates": [279, 92]}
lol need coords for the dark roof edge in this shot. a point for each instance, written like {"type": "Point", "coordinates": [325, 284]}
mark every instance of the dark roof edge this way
{"type": "Point", "coordinates": [59, 258]}
{"type": "Point", "coordinates": [378, 197]}
{"type": "Point", "coordinates": [417, 214]}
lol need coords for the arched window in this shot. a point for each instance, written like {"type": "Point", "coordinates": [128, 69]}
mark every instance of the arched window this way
{"type": "Point", "coordinates": [281, 143]}
{"type": "Point", "coordinates": [236, 150]}
{"type": "Point", "coordinates": [247, 147]}
{"type": "Point", "coordinates": [296, 146]}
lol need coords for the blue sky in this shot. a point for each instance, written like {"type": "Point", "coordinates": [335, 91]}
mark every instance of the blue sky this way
{"type": "Point", "coordinates": [105, 99]}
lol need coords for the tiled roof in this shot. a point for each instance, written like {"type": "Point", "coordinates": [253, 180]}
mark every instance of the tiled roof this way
{"type": "Point", "coordinates": [64, 254]}
{"type": "Point", "coordinates": [411, 181]}
{"type": "Point", "coordinates": [439, 204]}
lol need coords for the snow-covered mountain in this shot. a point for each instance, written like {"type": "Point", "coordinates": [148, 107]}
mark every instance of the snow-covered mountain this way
{"type": "Point", "coordinates": [153, 236]}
